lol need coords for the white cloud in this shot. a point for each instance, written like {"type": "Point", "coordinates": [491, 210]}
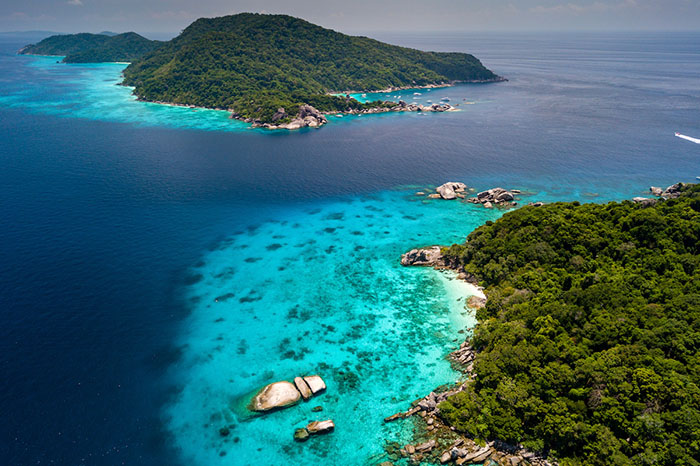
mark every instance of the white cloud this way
{"type": "Point", "coordinates": [75, 2]}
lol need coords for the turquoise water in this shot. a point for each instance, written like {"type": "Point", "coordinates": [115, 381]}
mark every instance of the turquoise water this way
{"type": "Point", "coordinates": [95, 95]}
{"type": "Point", "coordinates": [159, 263]}
{"type": "Point", "coordinates": [320, 291]}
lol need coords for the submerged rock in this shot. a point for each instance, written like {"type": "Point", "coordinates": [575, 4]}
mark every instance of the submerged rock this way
{"type": "Point", "coordinates": [430, 256]}
{"type": "Point", "coordinates": [301, 435]}
{"type": "Point", "coordinates": [276, 395]}
{"type": "Point", "coordinates": [320, 427]}
{"type": "Point", "coordinates": [315, 383]}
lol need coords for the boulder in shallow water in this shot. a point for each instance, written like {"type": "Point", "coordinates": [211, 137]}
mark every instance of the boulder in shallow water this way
{"type": "Point", "coordinates": [315, 383]}
{"type": "Point", "coordinates": [303, 388]}
{"type": "Point", "coordinates": [450, 189]}
{"type": "Point", "coordinates": [320, 427]}
{"type": "Point", "coordinates": [274, 396]}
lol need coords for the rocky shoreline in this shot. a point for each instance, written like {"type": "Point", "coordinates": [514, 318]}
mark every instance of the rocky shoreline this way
{"type": "Point", "coordinates": [310, 117]}
{"type": "Point", "coordinates": [441, 443]}
{"type": "Point", "coordinates": [494, 197]}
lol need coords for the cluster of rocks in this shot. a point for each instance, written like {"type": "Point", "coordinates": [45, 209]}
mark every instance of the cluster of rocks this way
{"type": "Point", "coordinates": [430, 256]}
{"type": "Point", "coordinates": [489, 198]}
{"type": "Point", "coordinates": [449, 191]}
{"type": "Point", "coordinates": [464, 357]}
{"type": "Point", "coordinates": [402, 107]}
{"type": "Point", "coordinates": [465, 451]}
{"type": "Point", "coordinates": [313, 428]}
{"type": "Point", "coordinates": [495, 196]}
{"type": "Point", "coordinates": [671, 192]}
{"type": "Point", "coordinates": [283, 394]}
{"type": "Point", "coordinates": [308, 117]}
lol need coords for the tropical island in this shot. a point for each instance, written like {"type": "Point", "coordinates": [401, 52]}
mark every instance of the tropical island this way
{"type": "Point", "coordinates": [93, 48]}
{"type": "Point", "coordinates": [275, 71]}
{"type": "Point", "coordinates": [586, 350]}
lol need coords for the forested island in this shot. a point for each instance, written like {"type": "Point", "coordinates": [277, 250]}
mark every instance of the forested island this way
{"type": "Point", "coordinates": [587, 349]}
{"type": "Point", "coordinates": [270, 70]}
{"type": "Point", "coordinates": [93, 48]}
{"type": "Point", "coordinates": [256, 64]}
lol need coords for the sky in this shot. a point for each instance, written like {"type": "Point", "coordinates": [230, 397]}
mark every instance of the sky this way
{"type": "Point", "coordinates": [358, 16]}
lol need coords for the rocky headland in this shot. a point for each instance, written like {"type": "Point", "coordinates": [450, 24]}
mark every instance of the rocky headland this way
{"type": "Point", "coordinates": [310, 117]}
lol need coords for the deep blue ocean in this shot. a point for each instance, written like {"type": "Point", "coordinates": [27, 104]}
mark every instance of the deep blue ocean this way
{"type": "Point", "coordinates": [157, 264]}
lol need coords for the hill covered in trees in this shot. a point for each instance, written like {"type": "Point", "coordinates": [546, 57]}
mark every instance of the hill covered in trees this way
{"type": "Point", "coordinates": [94, 48]}
{"type": "Point", "coordinates": [588, 347]}
{"type": "Point", "coordinates": [255, 64]}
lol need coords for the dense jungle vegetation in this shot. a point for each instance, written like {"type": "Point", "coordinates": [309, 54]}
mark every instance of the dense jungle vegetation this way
{"type": "Point", "coordinates": [94, 48]}
{"type": "Point", "coordinates": [255, 63]}
{"type": "Point", "coordinates": [588, 344]}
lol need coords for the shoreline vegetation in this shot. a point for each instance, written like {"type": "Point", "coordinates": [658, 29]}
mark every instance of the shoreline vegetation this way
{"type": "Point", "coordinates": [586, 350]}
{"type": "Point", "coordinates": [273, 71]}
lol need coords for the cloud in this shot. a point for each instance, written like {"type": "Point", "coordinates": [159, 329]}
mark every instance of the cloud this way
{"type": "Point", "coordinates": [75, 2]}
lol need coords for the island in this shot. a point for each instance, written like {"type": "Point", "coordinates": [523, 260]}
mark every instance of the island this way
{"type": "Point", "coordinates": [275, 69]}
{"type": "Point", "coordinates": [586, 348]}
{"type": "Point", "coordinates": [93, 48]}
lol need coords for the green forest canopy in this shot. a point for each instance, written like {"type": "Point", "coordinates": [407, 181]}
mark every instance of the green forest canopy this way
{"type": "Point", "coordinates": [255, 63]}
{"type": "Point", "coordinates": [588, 345]}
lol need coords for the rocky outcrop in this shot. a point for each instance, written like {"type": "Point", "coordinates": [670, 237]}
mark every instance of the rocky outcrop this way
{"type": "Point", "coordinates": [451, 190]}
{"type": "Point", "coordinates": [671, 192]}
{"type": "Point", "coordinates": [645, 201]}
{"type": "Point", "coordinates": [315, 383]}
{"type": "Point", "coordinates": [303, 388]}
{"type": "Point", "coordinates": [476, 302]}
{"type": "Point", "coordinates": [320, 427]}
{"type": "Point", "coordinates": [403, 107]}
{"type": "Point", "coordinates": [279, 114]}
{"type": "Point", "coordinates": [307, 117]}
{"type": "Point", "coordinates": [310, 117]}
{"type": "Point", "coordinates": [274, 396]}
{"type": "Point", "coordinates": [430, 256]}
{"type": "Point", "coordinates": [282, 394]}
{"type": "Point", "coordinates": [494, 196]}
